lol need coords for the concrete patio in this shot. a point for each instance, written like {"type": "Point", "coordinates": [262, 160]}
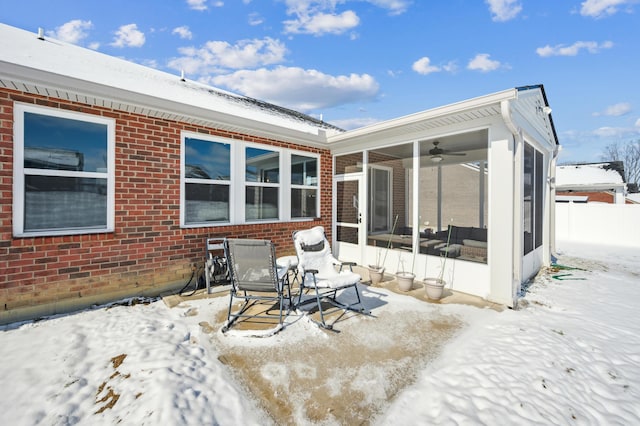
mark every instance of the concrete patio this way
{"type": "Point", "coordinates": [321, 376]}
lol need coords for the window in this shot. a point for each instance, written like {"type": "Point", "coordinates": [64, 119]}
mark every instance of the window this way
{"type": "Point", "coordinates": [63, 172]}
{"type": "Point", "coordinates": [228, 181]}
{"type": "Point", "coordinates": [533, 198]}
{"type": "Point", "coordinates": [304, 186]}
{"type": "Point", "coordinates": [207, 181]}
{"type": "Point", "coordinates": [262, 183]}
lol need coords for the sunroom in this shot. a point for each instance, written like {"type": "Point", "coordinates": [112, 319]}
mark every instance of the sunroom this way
{"type": "Point", "coordinates": [467, 182]}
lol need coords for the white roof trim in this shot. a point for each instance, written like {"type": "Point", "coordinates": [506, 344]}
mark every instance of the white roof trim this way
{"type": "Point", "coordinates": [413, 119]}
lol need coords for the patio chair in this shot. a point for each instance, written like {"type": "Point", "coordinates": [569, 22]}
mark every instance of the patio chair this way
{"type": "Point", "coordinates": [318, 270]}
{"type": "Point", "coordinates": [215, 265]}
{"type": "Point", "coordinates": [255, 279]}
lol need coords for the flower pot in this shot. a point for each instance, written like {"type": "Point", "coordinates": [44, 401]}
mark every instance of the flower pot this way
{"type": "Point", "coordinates": [434, 287]}
{"type": "Point", "coordinates": [405, 280]}
{"type": "Point", "coordinates": [375, 274]}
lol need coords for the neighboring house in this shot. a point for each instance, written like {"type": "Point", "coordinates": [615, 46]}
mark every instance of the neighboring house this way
{"type": "Point", "coordinates": [591, 183]}
{"type": "Point", "coordinates": [113, 174]}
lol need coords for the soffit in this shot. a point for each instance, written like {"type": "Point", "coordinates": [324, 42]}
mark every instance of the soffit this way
{"type": "Point", "coordinates": [464, 116]}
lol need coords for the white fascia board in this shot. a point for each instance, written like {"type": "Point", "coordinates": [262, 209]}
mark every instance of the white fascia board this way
{"type": "Point", "coordinates": [426, 115]}
{"type": "Point", "coordinates": [83, 88]}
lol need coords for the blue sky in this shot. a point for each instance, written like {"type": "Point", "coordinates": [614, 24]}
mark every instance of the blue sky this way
{"type": "Point", "coordinates": [358, 62]}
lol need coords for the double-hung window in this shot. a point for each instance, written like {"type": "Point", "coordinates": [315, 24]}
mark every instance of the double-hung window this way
{"type": "Point", "coordinates": [63, 172]}
{"type": "Point", "coordinates": [207, 181]}
{"type": "Point", "coordinates": [262, 184]}
{"type": "Point", "coordinates": [304, 186]}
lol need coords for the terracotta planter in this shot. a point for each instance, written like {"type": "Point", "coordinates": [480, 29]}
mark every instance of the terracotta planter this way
{"type": "Point", "coordinates": [405, 280]}
{"type": "Point", "coordinates": [376, 274]}
{"type": "Point", "coordinates": [434, 288]}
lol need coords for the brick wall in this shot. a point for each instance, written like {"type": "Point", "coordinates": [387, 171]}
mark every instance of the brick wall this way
{"type": "Point", "coordinates": [148, 248]}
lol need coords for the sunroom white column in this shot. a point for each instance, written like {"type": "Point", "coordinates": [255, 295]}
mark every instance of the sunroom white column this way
{"type": "Point", "coordinates": [501, 217]}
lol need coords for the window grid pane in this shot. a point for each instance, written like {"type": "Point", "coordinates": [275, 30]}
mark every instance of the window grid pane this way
{"type": "Point", "coordinates": [56, 203]}
{"type": "Point", "coordinates": [304, 203]}
{"type": "Point", "coordinates": [261, 202]}
{"type": "Point", "coordinates": [262, 165]}
{"type": "Point", "coordinates": [206, 203]}
{"type": "Point", "coordinates": [304, 170]}
{"type": "Point", "coordinates": [58, 143]}
{"type": "Point", "coordinates": [207, 160]}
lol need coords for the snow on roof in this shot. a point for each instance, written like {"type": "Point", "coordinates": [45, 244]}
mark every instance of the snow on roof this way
{"type": "Point", "coordinates": [588, 174]}
{"type": "Point", "coordinates": [24, 49]}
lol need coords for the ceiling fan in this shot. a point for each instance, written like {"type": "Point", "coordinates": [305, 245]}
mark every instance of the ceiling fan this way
{"type": "Point", "coordinates": [436, 152]}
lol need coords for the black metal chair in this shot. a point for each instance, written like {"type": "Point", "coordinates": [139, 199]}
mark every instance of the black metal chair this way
{"type": "Point", "coordinates": [255, 279]}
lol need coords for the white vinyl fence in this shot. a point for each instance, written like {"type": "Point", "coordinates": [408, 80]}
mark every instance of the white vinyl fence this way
{"type": "Point", "coordinates": [607, 224]}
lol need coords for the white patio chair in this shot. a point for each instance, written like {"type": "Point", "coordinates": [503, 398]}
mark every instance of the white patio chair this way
{"type": "Point", "coordinates": [321, 272]}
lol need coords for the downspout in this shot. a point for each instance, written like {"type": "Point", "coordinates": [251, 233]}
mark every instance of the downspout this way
{"type": "Point", "coordinates": [505, 110]}
{"type": "Point", "coordinates": [552, 201]}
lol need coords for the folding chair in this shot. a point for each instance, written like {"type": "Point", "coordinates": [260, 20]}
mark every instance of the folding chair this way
{"type": "Point", "coordinates": [215, 265]}
{"type": "Point", "coordinates": [317, 267]}
{"type": "Point", "coordinates": [255, 279]}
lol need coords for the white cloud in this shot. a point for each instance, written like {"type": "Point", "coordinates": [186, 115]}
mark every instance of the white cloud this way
{"type": "Point", "coordinates": [71, 32]}
{"type": "Point", "coordinates": [300, 89]}
{"type": "Point", "coordinates": [423, 66]}
{"type": "Point", "coordinates": [319, 17]}
{"type": "Point", "coordinates": [612, 132]}
{"type": "Point", "coordinates": [574, 49]}
{"type": "Point", "coordinates": [504, 10]}
{"type": "Point", "coordinates": [601, 8]}
{"type": "Point", "coordinates": [322, 23]}
{"type": "Point", "coordinates": [255, 19]}
{"type": "Point", "coordinates": [638, 122]}
{"type": "Point", "coordinates": [395, 7]}
{"type": "Point", "coordinates": [197, 4]}
{"type": "Point", "coordinates": [218, 56]}
{"type": "Point", "coordinates": [128, 36]}
{"type": "Point", "coordinates": [183, 32]}
{"type": "Point", "coordinates": [450, 66]}
{"type": "Point", "coordinates": [616, 110]}
{"type": "Point", "coordinates": [481, 62]}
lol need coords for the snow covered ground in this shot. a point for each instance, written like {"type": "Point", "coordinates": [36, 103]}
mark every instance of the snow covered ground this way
{"type": "Point", "coordinates": [569, 355]}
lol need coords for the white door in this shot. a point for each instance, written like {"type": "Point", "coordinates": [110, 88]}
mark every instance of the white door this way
{"type": "Point", "coordinates": [349, 235]}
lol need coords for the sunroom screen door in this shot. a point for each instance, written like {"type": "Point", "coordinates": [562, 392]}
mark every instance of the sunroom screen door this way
{"type": "Point", "coordinates": [348, 232]}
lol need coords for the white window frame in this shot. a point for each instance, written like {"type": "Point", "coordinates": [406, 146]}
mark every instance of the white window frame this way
{"type": "Point", "coordinates": [238, 182]}
{"type": "Point", "coordinates": [19, 171]}
{"type": "Point", "coordinates": [283, 182]}
{"type": "Point", "coordinates": [315, 187]}
{"type": "Point", "coordinates": [184, 180]}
